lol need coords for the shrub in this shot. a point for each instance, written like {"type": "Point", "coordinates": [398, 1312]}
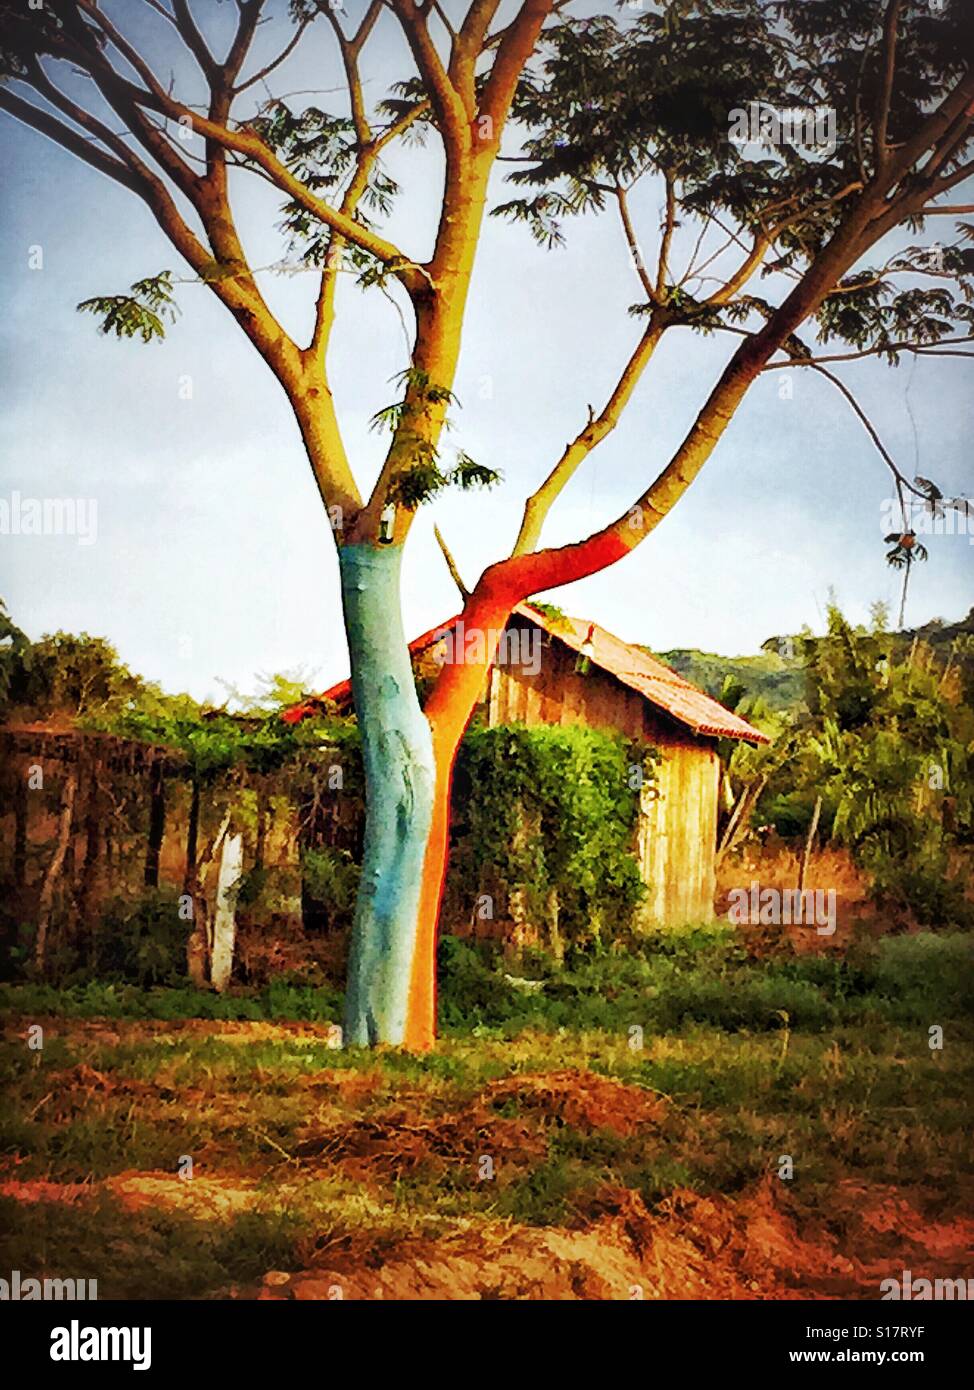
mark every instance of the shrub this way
{"type": "Point", "coordinates": [548, 813]}
{"type": "Point", "coordinates": [143, 942]}
{"type": "Point", "coordinates": [331, 878]}
{"type": "Point", "coordinates": [925, 976]}
{"type": "Point", "coordinates": [470, 992]}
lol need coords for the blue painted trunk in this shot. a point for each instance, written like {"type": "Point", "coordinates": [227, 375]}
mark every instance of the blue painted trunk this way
{"type": "Point", "coordinates": [397, 752]}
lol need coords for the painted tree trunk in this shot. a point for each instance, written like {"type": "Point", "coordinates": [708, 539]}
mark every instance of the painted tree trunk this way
{"type": "Point", "coordinates": [421, 1027]}
{"type": "Point", "coordinates": [397, 753]}
{"type": "Point", "coordinates": [224, 918]}
{"type": "Point", "coordinates": [448, 709]}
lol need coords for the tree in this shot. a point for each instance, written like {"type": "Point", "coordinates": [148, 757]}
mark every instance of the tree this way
{"type": "Point", "coordinates": [64, 674]}
{"type": "Point", "coordinates": [593, 105]}
{"type": "Point", "coordinates": [887, 744]}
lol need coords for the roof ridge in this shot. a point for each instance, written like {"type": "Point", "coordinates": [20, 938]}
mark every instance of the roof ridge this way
{"type": "Point", "coordinates": [656, 682]}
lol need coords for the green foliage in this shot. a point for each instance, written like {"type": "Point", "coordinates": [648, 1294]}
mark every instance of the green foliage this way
{"type": "Point", "coordinates": [13, 643]}
{"type": "Point", "coordinates": [663, 981]}
{"type": "Point", "coordinates": [281, 999]}
{"type": "Point", "coordinates": [776, 679]}
{"type": "Point", "coordinates": [142, 943]}
{"type": "Point", "coordinates": [420, 481]}
{"type": "Point", "coordinates": [221, 743]}
{"type": "Point", "coordinates": [66, 673]}
{"type": "Point", "coordinates": [889, 745]}
{"type": "Point", "coordinates": [866, 311]}
{"type": "Point", "coordinates": [467, 473]}
{"type": "Point", "coordinates": [142, 313]}
{"type": "Point", "coordinates": [551, 611]}
{"type": "Point", "coordinates": [470, 991]}
{"type": "Point", "coordinates": [420, 475]}
{"type": "Point", "coordinates": [616, 98]}
{"type": "Point", "coordinates": [926, 977]}
{"type": "Point", "coordinates": [331, 879]}
{"type": "Point", "coordinates": [543, 811]}
{"type": "Point", "coordinates": [671, 979]}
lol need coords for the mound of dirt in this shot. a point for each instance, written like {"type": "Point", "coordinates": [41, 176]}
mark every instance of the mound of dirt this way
{"type": "Point", "coordinates": [394, 1143]}
{"type": "Point", "coordinates": [581, 1099]}
{"type": "Point", "coordinates": [691, 1248]}
{"type": "Point", "coordinates": [757, 1246]}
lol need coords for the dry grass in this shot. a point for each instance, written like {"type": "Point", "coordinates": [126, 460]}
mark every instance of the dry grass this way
{"type": "Point", "coordinates": [610, 1173]}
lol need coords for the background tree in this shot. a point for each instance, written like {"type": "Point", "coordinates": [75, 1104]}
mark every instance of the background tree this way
{"type": "Point", "coordinates": [595, 105]}
{"type": "Point", "coordinates": [887, 748]}
{"type": "Point", "coordinates": [68, 676]}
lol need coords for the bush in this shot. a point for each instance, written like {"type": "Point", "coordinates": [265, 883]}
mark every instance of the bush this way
{"type": "Point", "coordinates": [97, 999]}
{"type": "Point", "coordinates": [926, 977]}
{"type": "Point", "coordinates": [548, 813]}
{"type": "Point", "coordinates": [470, 991]}
{"type": "Point", "coordinates": [920, 886]}
{"type": "Point", "coordinates": [143, 943]}
{"type": "Point", "coordinates": [331, 877]}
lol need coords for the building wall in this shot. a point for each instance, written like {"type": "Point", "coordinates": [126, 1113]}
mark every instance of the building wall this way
{"type": "Point", "coordinates": [677, 836]}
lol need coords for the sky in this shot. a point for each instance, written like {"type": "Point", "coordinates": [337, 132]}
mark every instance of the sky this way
{"type": "Point", "coordinates": [212, 560]}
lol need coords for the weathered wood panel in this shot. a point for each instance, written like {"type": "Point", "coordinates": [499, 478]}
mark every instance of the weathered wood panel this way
{"type": "Point", "coordinates": [557, 694]}
{"type": "Point", "coordinates": [677, 835]}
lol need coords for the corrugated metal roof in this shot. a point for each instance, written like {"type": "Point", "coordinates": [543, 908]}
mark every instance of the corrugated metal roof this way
{"type": "Point", "coordinates": [659, 684]}
{"type": "Point", "coordinates": [630, 665]}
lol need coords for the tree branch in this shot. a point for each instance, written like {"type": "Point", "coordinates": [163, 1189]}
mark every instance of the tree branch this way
{"type": "Point", "coordinates": [630, 233]}
{"type": "Point", "coordinates": [69, 139]}
{"type": "Point", "coordinates": [901, 480]}
{"type": "Point", "coordinates": [885, 95]}
{"type": "Point", "coordinates": [524, 574]}
{"type": "Point", "coordinates": [467, 47]}
{"type": "Point", "coordinates": [275, 63]}
{"type": "Point", "coordinates": [451, 564]}
{"type": "Point", "coordinates": [513, 52]}
{"type": "Point", "coordinates": [669, 227]}
{"type": "Point", "coordinates": [194, 40]}
{"type": "Point", "coordinates": [444, 97]}
{"type": "Point", "coordinates": [919, 349]}
{"type": "Point", "coordinates": [539, 504]}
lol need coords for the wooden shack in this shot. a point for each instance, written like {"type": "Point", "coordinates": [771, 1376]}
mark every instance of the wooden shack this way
{"type": "Point", "coordinates": [552, 669]}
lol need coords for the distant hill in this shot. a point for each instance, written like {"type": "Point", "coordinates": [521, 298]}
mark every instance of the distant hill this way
{"type": "Point", "coordinates": [779, 679]}
{"type": "Point", "coordinates": [941, 635]}
{"type": "Point", "coordinates": [776, 679]}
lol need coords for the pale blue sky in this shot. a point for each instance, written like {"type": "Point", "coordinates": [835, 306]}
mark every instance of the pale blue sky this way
{"type": "Point", "coordinates": [213, 556]}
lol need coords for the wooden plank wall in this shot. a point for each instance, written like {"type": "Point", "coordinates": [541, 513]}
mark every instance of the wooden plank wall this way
{"type": "Point", "coordinates": [558, 695]}
{"type": "Point", "coordinates": [677, 835]}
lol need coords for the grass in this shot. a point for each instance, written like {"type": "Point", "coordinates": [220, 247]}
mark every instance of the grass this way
{"type": "Point", "coordinates": [659, 982]}
{"type": "Point", "coordinates": [160, 1254]}
{"type": "Point", "coordinates": [335, 1156]}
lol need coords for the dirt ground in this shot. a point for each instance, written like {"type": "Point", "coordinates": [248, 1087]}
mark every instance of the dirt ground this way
{"type": "Point", "coordinates": [358, 1128]}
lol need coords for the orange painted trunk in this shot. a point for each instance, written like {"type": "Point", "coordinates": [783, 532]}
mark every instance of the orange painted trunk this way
{"type": "Point", "coordinates": [450, 705]}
